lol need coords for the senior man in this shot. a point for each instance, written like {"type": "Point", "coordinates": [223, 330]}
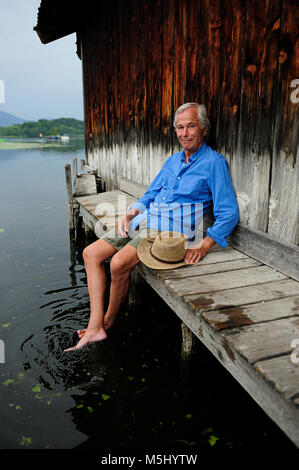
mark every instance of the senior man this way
{"type": "Point", "coordinates": [197, 174]}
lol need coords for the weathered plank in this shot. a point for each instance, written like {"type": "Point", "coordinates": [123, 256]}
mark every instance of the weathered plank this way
{"type": "Point", "coordinates": [264, 340]}
{"type": "Point", "coordinates": [243, 295]}
{"type": "Point", "coordinates": [284, 374]}
{"type": "Point", "coordinates": [255, 313]}
{"type": "Point", "coordinates": [284, 189]}
{"type": "Point", "coordinates": [268, 249]}
{"type": "Point", "coordinates": [202, 269]}
{"type": "Point", "coordinates": [85, 184]}
{"type": "Point", "coordinates": [131, 187]}
{"type": "Point", "coordinates": [221, 259]}
{"type": "Point", "coordinates": [283, 413]}
{"type": "Point", "coordinates": [222, 281]}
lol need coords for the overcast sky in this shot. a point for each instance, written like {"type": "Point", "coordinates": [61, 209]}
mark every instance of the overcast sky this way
{"type": "Point", "coordinates": [40, 80]}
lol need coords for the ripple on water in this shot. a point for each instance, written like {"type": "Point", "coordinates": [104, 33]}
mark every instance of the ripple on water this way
{"type": "Point", "coordinates": [43, 350]}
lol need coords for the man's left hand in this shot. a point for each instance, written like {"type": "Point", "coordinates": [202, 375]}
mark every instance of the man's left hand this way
{"type": "Point", "coordinates": [194, 255]}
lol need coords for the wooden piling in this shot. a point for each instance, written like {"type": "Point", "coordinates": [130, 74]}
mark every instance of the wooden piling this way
{"type": "Point", "coordinates": [69, 191]}
{"type": "Point", "coordinates": [187, 341]}
{"type": "Point", "coordinates": [75, 172]}
{"type": "Point", "coordinates": [135, 291]}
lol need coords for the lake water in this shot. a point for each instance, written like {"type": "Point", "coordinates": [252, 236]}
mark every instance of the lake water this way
{"type": "Point", "coordinates": [130, 392]}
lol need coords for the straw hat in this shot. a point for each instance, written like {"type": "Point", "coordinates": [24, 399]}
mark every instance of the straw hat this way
{"type": "Point", "coordinates": [166, 251]}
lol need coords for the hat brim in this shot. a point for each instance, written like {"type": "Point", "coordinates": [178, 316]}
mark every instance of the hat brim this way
{"type": "Point", "coordinates": [144, 254]}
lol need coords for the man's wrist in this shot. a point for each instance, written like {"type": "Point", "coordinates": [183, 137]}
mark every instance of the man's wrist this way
{"type": "Point", "coordinates": [208, 243]}
{"type": "Point", "coordinates": [133, 212]}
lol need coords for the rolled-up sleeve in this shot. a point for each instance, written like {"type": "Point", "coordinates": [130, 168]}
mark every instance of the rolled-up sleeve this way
{"type": "Point", "coordinates": [225, 206]}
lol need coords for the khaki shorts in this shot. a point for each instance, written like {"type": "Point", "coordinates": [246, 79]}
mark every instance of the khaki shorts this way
{"type": "Point", "coordinates": [118, 241]}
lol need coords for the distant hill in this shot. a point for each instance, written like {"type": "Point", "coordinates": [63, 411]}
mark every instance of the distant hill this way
{"type": "Point", "coordinates": [7, 119]}
{"type": "Point", "coordinates": [46, 127]}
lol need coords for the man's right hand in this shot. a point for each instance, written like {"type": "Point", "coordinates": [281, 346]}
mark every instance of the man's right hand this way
{"type": "Point", "coordinates": [123, 223]}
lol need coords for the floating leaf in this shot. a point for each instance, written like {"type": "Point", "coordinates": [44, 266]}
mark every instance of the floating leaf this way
{"type": "Point", "coordinates": [188, 416]}
{"type": "Point", "coordinates": [80, 406]}
{"type": "Point", "coordinates": [37, 388]}
{"type": "Point", "coordinates": [25, 441]}
{"type": "Point", "coordinates": [5, 325]}
{"type": "Point", "coordinates": [38, 396]}
{"type": "Point", "coordinates": [49, 402]}
{"type": "Point", "coordinates": [21, 375]}
{"type": "Point", "coordinates": [11, 404]}
{"type": "Point", "coordinates": [2, 230]}
{"type": "Point", "coordinates": [47, 208]}
{"type": "Point", "coordinates": [212, 440]}
{"type": "Point", "coordinates": [90, 409]}
{"type": "Point", "coordinates": [18, 407]}
{"type": "Point", "coordinates": [105, 397]}
{"type": "Point", "coordinates": [51, 258]}
{"type": "Point", "coordinates": [207, 431]}
{"type": "Point", "coordinates": [8, 381]}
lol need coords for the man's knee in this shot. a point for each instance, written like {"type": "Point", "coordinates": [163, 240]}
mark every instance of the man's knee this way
{"type": "Point", "coordinates": [88, 254]}
{"type": "Point", "coordinates": [123, 263]}
{"type": "Point", "coordinates": [117, 266]}
{"type": "Point", "coordinates": [95, 253]}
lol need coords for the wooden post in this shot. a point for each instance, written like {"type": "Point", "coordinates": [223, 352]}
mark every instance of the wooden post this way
{"type": "Point", "coordinates": [76, 212]}
{"type": "Point", "coordinates": [75, 172]}
{"type": "Point", "coordinates": [135, 294]}
{"type": "Point", "coordinates": [187, 341]}
{"type": "Point", "coordinates": [69, 191]}
{"type": "Point", "coordinates": [82, 165]}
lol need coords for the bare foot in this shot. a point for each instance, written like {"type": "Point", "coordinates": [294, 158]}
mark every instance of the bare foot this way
{"type": "Point", "coordinates": [89, 336]}
{"type": "Point", "coordinates": [81, 333]}
{"type": "Point", "coordinates": [108, 323]}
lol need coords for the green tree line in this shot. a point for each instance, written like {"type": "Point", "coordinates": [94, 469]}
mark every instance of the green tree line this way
{"type": "Point", "coordinates": [60, 126]}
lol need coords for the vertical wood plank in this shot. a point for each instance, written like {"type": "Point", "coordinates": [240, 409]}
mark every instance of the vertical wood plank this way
{"type": "Point", "coordinates": [283, 215]}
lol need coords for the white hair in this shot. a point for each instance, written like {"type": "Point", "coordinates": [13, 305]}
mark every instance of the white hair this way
{"type": "Point", "coordinates": [201, 110]}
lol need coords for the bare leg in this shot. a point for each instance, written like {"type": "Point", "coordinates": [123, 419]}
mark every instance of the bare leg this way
{"type": "Point", "coordinates": [121, 266]}
{"type": "Point", "coordinates": [94, 256]}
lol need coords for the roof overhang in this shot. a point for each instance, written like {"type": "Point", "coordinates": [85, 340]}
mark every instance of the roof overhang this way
{"type": "Point", "coordinates": [56, 19]}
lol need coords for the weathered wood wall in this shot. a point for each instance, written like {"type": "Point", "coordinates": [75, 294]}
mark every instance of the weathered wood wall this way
{"type": "Point", "coordinates": [142, 59]}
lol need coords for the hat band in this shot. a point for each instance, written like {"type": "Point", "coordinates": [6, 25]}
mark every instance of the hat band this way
{"type": "Point", "coordinates": [163, 260]}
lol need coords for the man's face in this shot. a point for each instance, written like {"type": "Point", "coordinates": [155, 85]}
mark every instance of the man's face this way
{"type": "Point", "coordinates": [189, 131]}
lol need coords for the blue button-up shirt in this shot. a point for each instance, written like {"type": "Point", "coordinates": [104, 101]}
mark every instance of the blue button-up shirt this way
{"type": "Point", "coordinates": [184, 191]}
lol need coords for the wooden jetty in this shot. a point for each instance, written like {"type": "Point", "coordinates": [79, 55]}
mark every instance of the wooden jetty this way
{"type": "Point", "coordinates": [140, 61]}
{"type": "Point", "coordinates": [244, 308]}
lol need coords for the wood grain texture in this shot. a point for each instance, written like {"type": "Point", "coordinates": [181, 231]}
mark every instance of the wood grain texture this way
{"type": "Point", "coordinates": [254, 313]}
{"type": "Point", "coordinates": [247, 317]}
{"type": "Point", "coordinates": [142, 60]}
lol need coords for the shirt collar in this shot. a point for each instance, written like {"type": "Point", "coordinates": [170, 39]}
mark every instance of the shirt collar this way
{"type": "Point", "coordinates": [197, 154]}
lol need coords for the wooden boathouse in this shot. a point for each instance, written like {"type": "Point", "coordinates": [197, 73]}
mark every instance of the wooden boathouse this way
{"type": "Point", "coordinates": [140, 61]}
